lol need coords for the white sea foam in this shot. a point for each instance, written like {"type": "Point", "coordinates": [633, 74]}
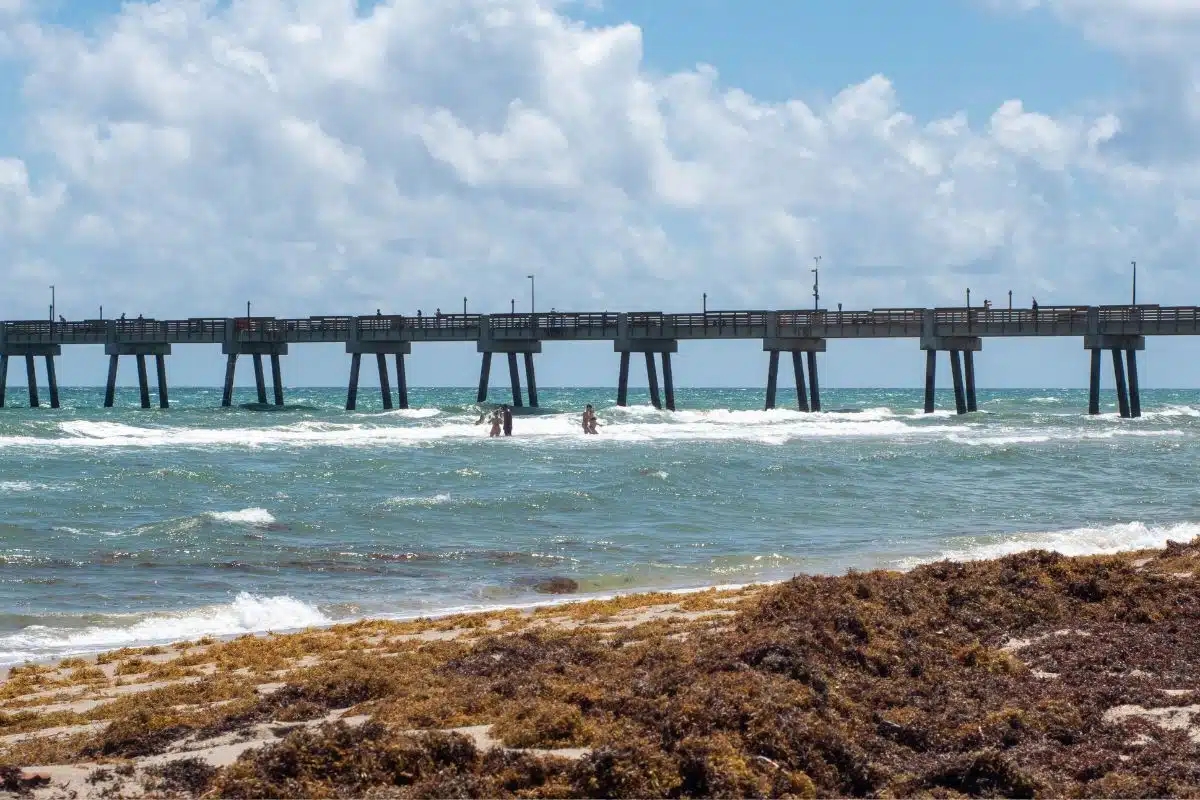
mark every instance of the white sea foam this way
{"type": "Point", "coordinates": [247, 613]}
{"type": "Point", "coordinates": [247, 516]}
{"type": "Point", "coordinates": [1102, 540]}
{"type": "Point", "coordinates": [434, 500]}
{"type": "Point", "coordinates": [13, 487]}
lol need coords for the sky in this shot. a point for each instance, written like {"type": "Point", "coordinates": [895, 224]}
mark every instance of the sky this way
{"type": "Point", "coordinates": [182, 157]}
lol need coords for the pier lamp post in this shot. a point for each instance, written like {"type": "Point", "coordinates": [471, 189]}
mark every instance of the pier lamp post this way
{"type": "Point", "coordinates": [1134, 263]}
{"type": "Point", "coordinates": [532, 294]}
{"type": "Point", "coordinates": [512, 306]}
{"type": "Point", "coordinates": [464, 306]}
{"type": "Point", "coordinates": [706, 302]}
{"type": "Point", "coordinates": [816, 271]}
{"type": "Point", "coordinates": [247, 310]}
{"type": "Point", "coordinates": [52, 304]}
{"type": "Point", "coordinates": [1010, 299]}
{"type": "Point", "coordinates": [968, 297]}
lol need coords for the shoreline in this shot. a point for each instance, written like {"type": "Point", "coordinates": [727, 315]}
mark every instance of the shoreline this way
{"type": "Point", "coordinates": [951, 676]}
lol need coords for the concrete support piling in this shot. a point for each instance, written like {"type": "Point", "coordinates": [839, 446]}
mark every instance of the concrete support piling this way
{"type": "Point", "coordinates": [1094, 383]}
{"type": "Point", "coordinates": [652, 380]}
{"type": "Point", "coordinates": [227, 391]}
{"type": "Point", "coordinates": [143, 380]}
{"type": "Point", "coordinates": [514, 377]}
{"type": "Point", "coordinates": [485, 373]}
{"type": "Point", "coordinates": [3, 377]}
{"type": "Point", "coordinates": [623, 380]}
{"type": "Point", "coordinates": [930, 378]}
{"type": "Point", "coordinates": [801, 391]}
{"type": "Point", "coordinates": [110, 386]}
{"type": "Point", "coordinates": [772, 377]}
{"type": "Point", "coordinates": [668, 381]}
{"type": "Point", "coordinates": [969, 375]}
{"type": "Point", "coordinates": [52, 380]}
{"type": "Point", "coordinates": [352, 389]}
{"type": "Point", "coordinates": [531, 380]}
{"type": "Point", "coordinates": [277, 379]}
{"type": "Point", "coordinates": [814, 386]}
{"type": "Point", "coordinates": [401, 382]}
{"type": "Point", "coordinates": [385, 385]}
{"type": "Point", "coordinates": [1119, 377]}
{"type": "Point", "coordinates": [960, 400]}
{"type": "Point", "coordinates": [1135, 395]}
{"type": "Point", "coordinates": [160, 366]}
{"type": "Point", "coordinates": [31, 379]}
{"type": "Point", "coordinates": [260, 381]}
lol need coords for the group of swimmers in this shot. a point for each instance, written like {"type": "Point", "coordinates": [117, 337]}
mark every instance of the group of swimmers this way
{"type": "Point", "coordinates": [502, 420]}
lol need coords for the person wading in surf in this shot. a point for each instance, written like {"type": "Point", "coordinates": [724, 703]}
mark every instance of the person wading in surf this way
{"type": "Point", "coordinates": [507, 414]}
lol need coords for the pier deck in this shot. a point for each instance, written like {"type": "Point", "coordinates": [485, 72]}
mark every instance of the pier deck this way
{"type": "Point", "coordinates": [958, 331]}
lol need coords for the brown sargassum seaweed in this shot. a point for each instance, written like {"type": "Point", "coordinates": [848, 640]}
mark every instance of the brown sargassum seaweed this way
{"type": "Point", "coordinates": [993, 678]}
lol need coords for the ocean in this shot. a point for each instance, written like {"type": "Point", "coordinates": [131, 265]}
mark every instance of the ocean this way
{"type": "Point", "coordinates": [126, 526]}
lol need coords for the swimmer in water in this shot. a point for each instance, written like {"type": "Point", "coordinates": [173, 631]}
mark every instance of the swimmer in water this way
{"type": "Point", "coordinates": [495, 432]}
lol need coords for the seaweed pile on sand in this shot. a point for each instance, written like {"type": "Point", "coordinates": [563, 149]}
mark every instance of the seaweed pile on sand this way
{"type": "Point", "coordinates": [1035, 674]}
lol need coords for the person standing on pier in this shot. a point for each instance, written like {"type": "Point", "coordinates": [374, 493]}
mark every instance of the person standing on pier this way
{"type": "Point", "coordinates": [507, 414]}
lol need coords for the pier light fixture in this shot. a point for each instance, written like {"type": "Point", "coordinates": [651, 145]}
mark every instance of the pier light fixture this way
{"type": "Point", "coordinates": [705, 301]}
{"type": "Point", "coordinates": [512, 306]}
{"type": "Point", "coordinates": [247, 309]}
{"type": "Point", "coordinates": [968, 297]}
{"type": "Point", "coordinates": [532, 294]}
{"type": "Point", "coordinates": [1134, 263]}
{"type": "Point", "coordinates": [816, 271]}
{"type": "Point", "coordinates": [1010, 299]}
{"type": "Point", "coordinates": [464, 306]}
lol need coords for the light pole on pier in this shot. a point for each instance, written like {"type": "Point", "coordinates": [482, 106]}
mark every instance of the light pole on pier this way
{"type": "Point", "coordinates": [968, 297]}
{"type": "Point", "coordinates": [816, 271]}
{"type": "Point", "coordinates": [1010, 299]}
{"type": "Point", "coordinates": [706, 302]}
{"type": "Point", "coordinates": [52, 302]}
{"type": "Point", "coordinates": [247, 309]}
{"type": "Point", "coordinates": [532, 294]}
{"type": "Point", "coordinates": [512, 306]}
{"type": "Point", "coordinates": [1134, 282]}
{"type": "Point", "coordinates": [464, 306]}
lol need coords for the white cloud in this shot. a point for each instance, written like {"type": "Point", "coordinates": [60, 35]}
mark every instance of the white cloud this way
{"type": "Point", "coordinates": [333, 161]}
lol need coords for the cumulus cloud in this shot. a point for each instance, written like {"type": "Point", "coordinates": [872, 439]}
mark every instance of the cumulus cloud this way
{"type": "Point", "coordinates": [192, 154]}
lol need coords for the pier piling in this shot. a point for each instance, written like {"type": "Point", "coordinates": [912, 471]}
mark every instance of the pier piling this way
{"type": "Point", "coordinates": [110, 385]}
{"type": "Point", "coordinates": [3, 377]}
{"type": "Point", "coordinates": [652, 380]}
{"type": "Point", "coordinates": [1094, 383]}
{"type": "Point", "coordinates": [143, 380]}
{"type": "Point", "coordinates": [260, 382]}
{"type": "Point", "coordinates": [1119, 378]}
{"type": "Point", "coordinates": [1135, 395]}
{"type": "Point", "coordinates": [227, 391]}
{"type": "Point", "coordinates": [277, 378]}
{"type": "Point", "coordinates": [514, 378]}
{"type": "Point", "coordinates": [772, 378]}
{"type": "Point", "coordinates": [668, 381]}
{"type": "Point", "coordinates": [531, 379]}
{"type": "Point", "coordinates": [160, 366]}
{"type": "Point", "coordinates": [814, 386]}
{"type": "Point", "coordinates": [930, 378]}
{"type": "Point", "coordinates": [31, 379]}
{"type": "Point", "coordinates": [352, 389]}
{"type": "Point", "coordinates": [52, 380]}
{"type": "Point", "coordinates": [401, 381]}
{"type": "Point", "coordinates": [385, 386]}
{"type": "Point", "coordinates": [969, 375]}
{"type": "Point", "coordinates": [960, 400]}
{"type": "Point", "coordinates": [623, 380]}
{"type": "Point", "coordinates": [485, 374]}
{"type": "Point", "coordinates": [798, 370]}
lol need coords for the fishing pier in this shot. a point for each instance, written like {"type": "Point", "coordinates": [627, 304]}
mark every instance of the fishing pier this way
{"type": "Point", "coordinates": [960, 332]}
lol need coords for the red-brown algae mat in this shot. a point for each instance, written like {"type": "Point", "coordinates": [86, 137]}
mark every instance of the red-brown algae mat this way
{"type": "Point", "coordinates": [1031, 675]}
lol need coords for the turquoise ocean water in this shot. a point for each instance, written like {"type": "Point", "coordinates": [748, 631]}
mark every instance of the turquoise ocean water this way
{"type": "Point", "coordinates": [124, 526]}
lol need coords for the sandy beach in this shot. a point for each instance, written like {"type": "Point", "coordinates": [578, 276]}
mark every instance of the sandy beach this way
{"type": "Point", "coordinates": [1030, 675]}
